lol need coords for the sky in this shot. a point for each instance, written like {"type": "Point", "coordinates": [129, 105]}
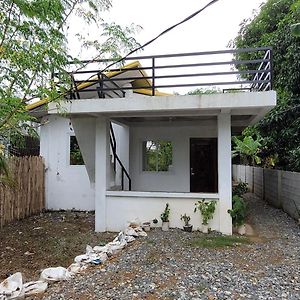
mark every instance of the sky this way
{"type": "Point", "coordinates": [210, 30]}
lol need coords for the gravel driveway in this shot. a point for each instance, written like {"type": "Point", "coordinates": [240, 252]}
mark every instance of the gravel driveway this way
{"type": "Point", "coordinates": [166, 266]}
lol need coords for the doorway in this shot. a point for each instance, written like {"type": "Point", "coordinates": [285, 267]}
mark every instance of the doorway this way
{"type": "Point", "coordinates": [203, 165]}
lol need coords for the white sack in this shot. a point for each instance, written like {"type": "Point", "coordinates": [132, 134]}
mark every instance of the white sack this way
{"type": "Point", "coordinates": [88, 250]}
{"type": "Point", "coordinates": [83, 258]}
{"type": "Point", "coordinates": [116, 247]}
{"type": "Point", "coordinates": [129, 238]}
{"type": "Point", "coordinates": [139, 231]}
{"type": "Point", "coordinates": [12, 287]}
{"type": "Point", "coordinates": [103, 257]}
{"type": "Point", "coordinates": [130, 231]}
{"type": "Point", "coordinates": [142, 233]}
{"type": "Point", "coordinates": [76, 268]}
{"type": "Point", "coordinates": [55, 274]}
{"type": "Point", "coordinates": [99, 249]}
{"type": "Point", "coordinates": [35, 287]}
{"type": "Point", "coordinates": [120, 237]}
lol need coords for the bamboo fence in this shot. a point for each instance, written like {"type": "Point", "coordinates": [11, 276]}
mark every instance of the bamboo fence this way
{"type": "Point", "coordinates": [27, 195]}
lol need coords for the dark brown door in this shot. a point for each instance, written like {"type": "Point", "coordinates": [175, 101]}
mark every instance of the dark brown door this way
{"type": "Point", "coordinates": [203, 165]}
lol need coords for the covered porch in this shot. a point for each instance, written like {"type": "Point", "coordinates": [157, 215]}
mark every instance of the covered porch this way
{"type": "Point", "coordinates": [198, 129]}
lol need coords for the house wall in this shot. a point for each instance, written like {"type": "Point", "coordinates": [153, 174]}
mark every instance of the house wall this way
{"type": "Point", "coordinates": [115, 208]}
{"type": "Point", "coordinates": [67, 186]}
{"type": "Point", "coordinates": [178, 178]}
{"type": "Point", "coordinates": [129, 206]}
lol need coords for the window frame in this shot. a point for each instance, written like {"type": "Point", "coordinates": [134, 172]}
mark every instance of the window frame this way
{"type": "Point", "coordinates": [70, 135]}
{"type": "Point", "coordinates": [144, 160]}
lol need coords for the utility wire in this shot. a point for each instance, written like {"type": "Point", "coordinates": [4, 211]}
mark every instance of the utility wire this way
{"type": "Point", "coordinates": [149, 42]}
{"type": "Point", "coordinates": [154, 39]}
{"type": "Point", "coordinates": [162, 33]}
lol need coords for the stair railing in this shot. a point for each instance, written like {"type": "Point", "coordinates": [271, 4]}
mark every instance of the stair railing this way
{"type": "Point", "coordinates": [113, 144]}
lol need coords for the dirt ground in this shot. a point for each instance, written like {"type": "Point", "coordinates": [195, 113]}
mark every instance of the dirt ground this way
{"type": "Point", "coordinates": [50, 239]}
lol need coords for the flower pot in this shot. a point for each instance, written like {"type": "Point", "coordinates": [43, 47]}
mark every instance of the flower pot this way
{"type": "Point", "coordinates": [241, 229]}
{"type": "Point", "coordinates": [204, 228]}
{"type": "Point", "coordinates": [146, 226]}
{"type": "Point", "coordinates": [188, 228]}
{"type": "Point", "coordinates": [165, 226]}
{"type": "Point", "coordinates": [154, 223]}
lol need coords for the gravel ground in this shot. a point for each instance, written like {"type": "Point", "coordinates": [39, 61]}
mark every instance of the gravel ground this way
{"type": "Point", "coordinates": [166, 266]}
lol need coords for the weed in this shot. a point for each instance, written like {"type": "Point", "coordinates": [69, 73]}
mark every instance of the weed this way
{"type": "Point", "coordinates": [219, 241]}
{"type": "Point", "coordinates": [201, 288]}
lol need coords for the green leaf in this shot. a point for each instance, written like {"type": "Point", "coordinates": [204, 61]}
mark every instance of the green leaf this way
{"type": "Point", "coordinates": [295, 28]}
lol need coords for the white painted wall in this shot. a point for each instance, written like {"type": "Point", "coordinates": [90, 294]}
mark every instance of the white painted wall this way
{"type": "Point", "coordinates": [122, 138]}
{"type": "Point", "coordinates": [85, 131]}
{"type": "Point", "coordinates": [121, 209]}
{"type": "Point", "coordinates": [178, 179]}
{"type": "Point", "coordinates": [102, 172]}
{"type": "Point", "coordinates": [224, 171]}
{"type": "Point", "coordinates": [67, 186]}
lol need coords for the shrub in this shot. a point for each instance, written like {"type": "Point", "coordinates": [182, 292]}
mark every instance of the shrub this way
{"type": "Point", "coordinates": [238, 211]}
{"type": "Point", "coordinates": [165, 214]}
{"type": "Point", "coordinates": [207, 209]}
{"type": "Point", "coordinates": [240, 189]}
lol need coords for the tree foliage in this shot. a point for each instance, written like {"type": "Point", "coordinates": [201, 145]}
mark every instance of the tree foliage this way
{"type": "Point", "coordinates": [33, 44]}
{"type": "Point", "coordinates": [248, 150]}
{"type": "Point", "coordinates": [273, 26]}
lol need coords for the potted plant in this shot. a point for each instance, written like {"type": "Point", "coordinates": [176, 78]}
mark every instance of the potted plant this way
{"type": "Point", "coordinates": [207, 209]}
{"type": "Point", "coordinates": [238, 214]}
{"type": "Point", "coordinates": [155, 222]}
{"type": "Point", "coordinates": [146, 226]}
{"type": "Point", "coordinates": [187, 226]}
{"type": "Point", "coordinates": [165, 218]}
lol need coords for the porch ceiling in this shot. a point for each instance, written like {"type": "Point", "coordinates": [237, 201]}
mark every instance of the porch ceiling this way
{"type": "Point", "coordinates": [238, 122]}
{"type": "Point", "coordinates": [245, 108]}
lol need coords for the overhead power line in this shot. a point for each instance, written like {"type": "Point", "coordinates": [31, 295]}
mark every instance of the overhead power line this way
{"type": "Point", "coordinates": [161, 34]}
{"type": "Point", "coordinates": [152, 40]}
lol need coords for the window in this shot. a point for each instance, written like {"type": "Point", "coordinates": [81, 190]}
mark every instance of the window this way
{"type": "Point", "coordinates": [75, 153]}
{"type": "Point", "coordinates": [157, 156]}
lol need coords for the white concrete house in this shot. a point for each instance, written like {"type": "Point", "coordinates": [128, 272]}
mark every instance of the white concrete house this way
{"type": "Point", "coordinates": [143, 148]}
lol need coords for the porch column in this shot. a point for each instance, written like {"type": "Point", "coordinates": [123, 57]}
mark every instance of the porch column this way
{"type": "Point", "coordinates": [101, 172]}
{"type": "Point", "coordinates": [224, 171]}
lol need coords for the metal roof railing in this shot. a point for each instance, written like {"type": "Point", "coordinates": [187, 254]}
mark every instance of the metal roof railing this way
{"type": "Point", "coordinates": [233, 69]}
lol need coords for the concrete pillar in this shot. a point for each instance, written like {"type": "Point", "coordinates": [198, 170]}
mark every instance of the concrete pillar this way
{"type": "Point", "coordinates": [224, 171]}
{"type": "Point", "coordinates": [101, 173]}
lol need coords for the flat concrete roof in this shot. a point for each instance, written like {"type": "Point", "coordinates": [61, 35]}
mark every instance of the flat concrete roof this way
{"type": "Point", "coordinates": [252, 105]}
{"type": "Point", "coordinates": [135, 105]}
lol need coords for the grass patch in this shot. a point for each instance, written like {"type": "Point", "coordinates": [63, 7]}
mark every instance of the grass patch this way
{"type": "Point", "coordinates": [151, 242]}
{"type": "Point", "coordinates": [219, 241]}
{"type": "Point", "coordinates": [201, 288]}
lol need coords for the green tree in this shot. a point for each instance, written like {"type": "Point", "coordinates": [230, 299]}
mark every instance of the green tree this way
{"type": "Point", "coordinates": [206, 91]}
{"type": "Point", "coordinates": [272, 26]}
{"type": "Point", "coordinates": [248, 150]}
{"type": "Point", "coordinates": [33, 44]}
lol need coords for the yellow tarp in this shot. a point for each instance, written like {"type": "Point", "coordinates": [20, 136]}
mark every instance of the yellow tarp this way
{"type": "Point", "coordinates": [136, 84]}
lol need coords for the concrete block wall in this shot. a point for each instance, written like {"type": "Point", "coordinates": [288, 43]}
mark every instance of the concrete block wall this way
{"type": "Point", "coordinates": [290, 193]}
{"type": "Point", "coordinates": [272, 192]}
{"type": "Point", "coordinates": [258, 185]}
{"type": "Point", "coordinates": [280, 189]}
